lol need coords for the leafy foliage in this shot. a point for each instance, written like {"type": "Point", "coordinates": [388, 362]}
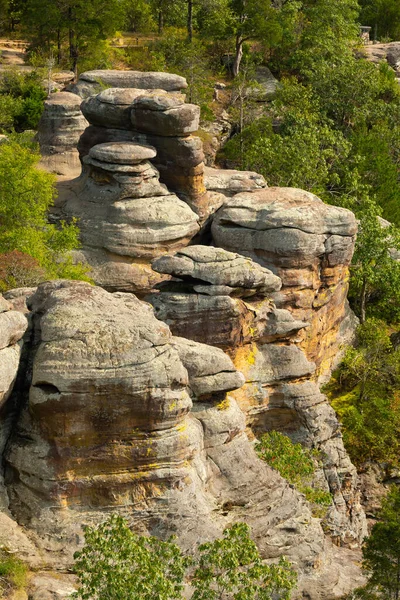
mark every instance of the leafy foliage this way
{"type": "Point", "coordinates": [21, 100]}
{"type": "Point", "coordinates": [26, 194]}
{"type": "Point", "coordinates": [118, 564]}
{"type": "Point", "coordinates": [231, 568]}
{"type": "Point", "coordinates": [365, 392]}
{"type": "Point", "coordinates": [294, 463]}
{"type": "Point", "coordinates": [13, 573]}
{"type": "Point", "coordinates": [381, 553]}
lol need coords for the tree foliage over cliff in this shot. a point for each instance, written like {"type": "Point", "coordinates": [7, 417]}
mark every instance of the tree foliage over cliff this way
{"type": "Point", "coordinates": [26, 193]}
{"type": "Point", "coordinates": [118, 564]}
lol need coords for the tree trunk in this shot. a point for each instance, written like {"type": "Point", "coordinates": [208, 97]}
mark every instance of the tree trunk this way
{"type": "Point", "coordinates": [58, 46]}
{"type": "Point", "coordinates": [363, 301]}
{"type": "Point", "coordinates": [160, 22]}
{"type": "Point", "coordinates": [238, 55]}
{"type": "Point", "coordinates": [190, 20]}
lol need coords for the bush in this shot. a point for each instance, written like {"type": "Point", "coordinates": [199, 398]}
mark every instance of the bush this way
{"type": "Point", "coordinates": [294, 463]}
{"type": "Point", "coordinates": [19, 270]}
{"type": "Point", "coordinates": [365, 392]}
{"type": "Point", "coordinates": [21, 98]}
{"type": "Point", "coordinates": [25, 196]}
{"type": "Point", "coordinates": [118, 564]}
{"type": "Point", "coordinates": [13, 573]}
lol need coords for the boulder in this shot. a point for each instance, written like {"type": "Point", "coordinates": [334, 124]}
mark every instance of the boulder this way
{"type": "Point", "coordinates": [178, 120]}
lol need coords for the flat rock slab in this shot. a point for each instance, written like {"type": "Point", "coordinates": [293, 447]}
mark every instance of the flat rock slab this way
{"type": "Point", "coordinates": [122, 153]}
{"type": "Point", "coordinates": [222, 269]}
{"type": "Point", "coordinates": [136, 79]}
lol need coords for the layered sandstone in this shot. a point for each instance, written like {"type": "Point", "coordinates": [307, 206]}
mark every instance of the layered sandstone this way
{"type": "Point", "coordinates": [126, 217]}
{"type": "Point", "coordinates": [280, 345]}
{"type": "Point", "coordinates": [122, 416]}
{"type": "Point", "coordinates": [59, 130]}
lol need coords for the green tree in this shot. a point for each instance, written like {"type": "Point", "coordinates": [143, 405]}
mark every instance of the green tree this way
{"type": "Point", "coordinates": [231, 569]}
{"type": "Point", "coordinates": [25, 196]}
{"type": "Point", "coordinates": [241, 21]}
{"type": "Point", "coordinates": [78, 23]}
{"type": "Point", "coordinates": [118, 564]}
{"type": "Point", "coordinates": [365, 392]}
{"type": "Point", "coordinates": [381, 551]}
{"type": "Point", "coordinates": [383, 16]}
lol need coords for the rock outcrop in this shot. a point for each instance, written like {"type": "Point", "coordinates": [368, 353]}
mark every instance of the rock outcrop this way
{"type": "Point", "coordinates": [151, 410]}
{"type": "Point", "coordinates": [59, 130]}
{"type": "Point", "coordinates": [13, 325]}
{"type": "Point", "coordinates": [91, 83]}
{"type": "Point", "coordinates": [122, 416]}
{"type": "Point", "coordinates": [283, 334]}
{"type": "Point", "coordinates": [127, 218]}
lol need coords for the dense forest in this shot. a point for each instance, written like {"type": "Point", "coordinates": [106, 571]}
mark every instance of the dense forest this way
{"type": "Point", "coordinates": [332, 128]}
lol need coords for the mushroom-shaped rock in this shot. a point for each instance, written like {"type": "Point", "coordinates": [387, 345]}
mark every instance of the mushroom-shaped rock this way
{"type": "Point", "coordinates": [60, 127]}
{"type": "Point", "coordinates": [122, 153]}
{"type": "Point", "coordinates": [225, 273]}
{"type": "Point", "coordinates": [210, 370]}
{"type": "Point", "coordinates": [127, 218]}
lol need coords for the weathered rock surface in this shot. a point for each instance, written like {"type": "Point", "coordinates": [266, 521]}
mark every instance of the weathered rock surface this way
{"type": "Point", "coordinates": [91, 83]}
{"type": "Point", "coordinates": [293, 234]}
{"type": "Point", "coordinates": [230, 182]}
{"type": "Point", "coordinates": [111, 425]}
{"type": "Point", "coordinates": [59, 130]}
{"type": "Point", "coordinates": [309, 245]}
{"type": "Point", "coordinates": [218, 272]}
{"type": "Point", "coordinates": [127, 218]}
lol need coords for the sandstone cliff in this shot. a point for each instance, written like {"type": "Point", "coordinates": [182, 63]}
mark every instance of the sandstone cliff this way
{"type": "Point", "coordinates": [151, 409]}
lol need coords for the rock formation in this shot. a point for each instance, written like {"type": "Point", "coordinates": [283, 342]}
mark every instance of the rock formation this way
{"type": "Point", "coordinates": [151, 409]}
{"type": "Point", "coordinates": [59, 130]}
{"type": "Point", "coordinates": [126, 217]}
{"type": "Point", "coordinates": [13, 325]}
{"type": "Point", "coordinates": [281, 347]}
{"type": "Point", "coordinates": [123, 416]}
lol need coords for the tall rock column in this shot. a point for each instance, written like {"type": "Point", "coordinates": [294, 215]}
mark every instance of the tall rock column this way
{"type": "Point", "coordinates": [126, 217]}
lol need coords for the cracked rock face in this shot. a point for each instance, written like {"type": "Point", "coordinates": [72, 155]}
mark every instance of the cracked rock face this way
{"type": "Point", "coordinates": [111, 426]}
{"type": "Point", "coordinates": [273, 344]}
{"type": "Point", "coordinates": [127, 218]}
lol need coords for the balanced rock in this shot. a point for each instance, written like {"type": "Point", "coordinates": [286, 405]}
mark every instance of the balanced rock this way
{"type": "Point", "coordinates": [218, 272]}
{"type": "Point", "coordinates": [91, 83]}
{"type": "Point", "coordinates": [59, 130]}
{"type": "Point", "coordinates": [127, 218]}
{"type": "Point", "coordinates": [164, 115]}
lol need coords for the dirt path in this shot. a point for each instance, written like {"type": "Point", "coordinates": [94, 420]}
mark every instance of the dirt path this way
{"type": "Point", "coordinates": [12, 53]}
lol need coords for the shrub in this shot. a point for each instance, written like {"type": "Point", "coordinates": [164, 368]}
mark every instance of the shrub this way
{"type": "Point", "coordinates": [19, 270]}
{"type": "Point", "coordinates": [294, 463]}
{"type": "Point", "coordinates": [365, 392]}
{"type": "Point", "coordinates": [13, 573]}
